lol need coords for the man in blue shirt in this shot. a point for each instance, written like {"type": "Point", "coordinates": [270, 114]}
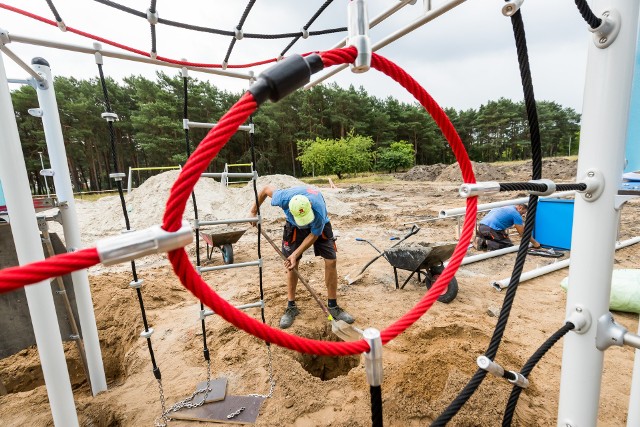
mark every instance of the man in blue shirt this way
{"type": "Point", "coordinates": [307, 224]}
{"type": "Point", "coordinates": [492, 231]}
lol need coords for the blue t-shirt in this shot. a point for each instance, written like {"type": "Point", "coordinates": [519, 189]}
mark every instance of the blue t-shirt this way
{"type": "Point", "coordinates": [318, 206]}
{"type": "Point", "coordinates": [502, 218]}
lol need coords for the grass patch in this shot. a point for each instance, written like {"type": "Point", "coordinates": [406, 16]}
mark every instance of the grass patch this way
{"type": "Point", "coordinates": [94, 195]}
{"type": "Point", "coordinates": [365, 178]}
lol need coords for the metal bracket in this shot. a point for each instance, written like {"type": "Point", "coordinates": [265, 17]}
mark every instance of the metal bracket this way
{"type": "Point", "coordinates": [35, 112]}
{"type": "Point", "coordinates": [595, 185]}
{"type": "Point", "coordinates": [47, 172]}
{"type": "Point", "coordinates": [608, 30]}
{"type": "Point", "coordinates": [581, 318]}
{"type": "Point", "coordinates": [619, 200]}
{"type": "Point", "coordinates": [359, 35]}
{"type": "Point", "coordinates": [373, 358]}
{"type": "Point", "coordinates": [609, 332]}
{"type": "Point", "coordinates": [4, 37]}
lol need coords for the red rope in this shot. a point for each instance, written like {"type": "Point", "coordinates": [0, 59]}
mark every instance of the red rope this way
{"type": "Point", "coordinates": [13, 278]}
{"type": "Point", "coordinates": [132, 49]}
{"type": "Point", "coordinates": [216, 139]}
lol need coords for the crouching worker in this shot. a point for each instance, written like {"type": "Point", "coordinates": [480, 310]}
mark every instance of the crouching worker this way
{"type": "Point", "coordinates": [307, 224]}
{"type": "Point", "coordinates": [492, 233]}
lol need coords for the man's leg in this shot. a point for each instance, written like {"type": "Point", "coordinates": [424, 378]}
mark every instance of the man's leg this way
{"type": "Point", "coordinates": [290, 242]}
{"type": "Point", "coordinates": [292, 282]}
{"type": "Point", "coordinates": [331, 278]}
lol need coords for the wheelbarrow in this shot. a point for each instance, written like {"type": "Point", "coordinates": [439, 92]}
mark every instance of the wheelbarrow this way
{"type": "Point", "coordinates": [425, 259]}
{"type": "Point", "coordinates": [222, 241]}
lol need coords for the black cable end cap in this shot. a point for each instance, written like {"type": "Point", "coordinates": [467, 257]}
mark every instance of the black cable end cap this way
{"type": "Point", "coordinates": [156, 373]}
{"type": "Point", "coordinates": [285, 77]}
{"type": "Point", "coordinates": [39, 61]}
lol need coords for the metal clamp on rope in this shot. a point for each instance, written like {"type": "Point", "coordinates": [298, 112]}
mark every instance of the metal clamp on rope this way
{"type": "Point", "coordinates": [147, 334]}
{"type": "Point", "coordinates": [511, 7]}
{"type": "Point", "coordinates": [238, 33]}
{"type": "Point", "coordinates": [153, 240]}
{"type": "Point", "coordinates": [610, 333]}
{"type": "Point", "coordinates": [285, 77]}
{"type": "Point", "coordinates": [515, 378]}
{"type": "Point", "coordinates": [62, 26]}
{"type": "Point", "coordinates": [479, 188]}
{"type": "Point", "coordinates": [204, 313]}
{"type": "Point", "coordinates": [98, 54]}
{"type": "Point", "coordinates": [551, 187]}
{"type": "Point", "coordinates": [373, 358]}
{"type": "Point", "coordinates": [136, 284]}
{"type": "Point", "coordinates": [359, 35]}
{"type": "Point", "coordinates": [305, 33]}
{"type": "Point", "coordinates": [110, 117]}
{"type": "Point", "coordinates": [152, 17]}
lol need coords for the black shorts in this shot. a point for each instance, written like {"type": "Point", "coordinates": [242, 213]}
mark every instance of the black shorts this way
{"type": "Point", "coordinates": [324, 246]}
{"type": "Point", "coordinates": [496, 239]}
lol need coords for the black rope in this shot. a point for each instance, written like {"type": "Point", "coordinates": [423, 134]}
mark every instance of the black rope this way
{"type": "Point", "coordinates": [217, 31]}
{"type": "Point", "coordinates": [255, 194]}
{"type": "Point", "coordinates": [587, 14]}
{"type": "Point", "coordinates": [54, 11]}
{"type": "Point", "coordinates": [528, 367]}
{"type": "Point", "coordinates": [536, 149]}
{"type": "Point", "coordinates": [539, 187]}
{"type": "Point", "coordinates": [152, 9]}
{"type": "Point", "coordinates": [243, 18]}
{"type": "Point", "coordinates": [307, 25]}
{"type": "Point", "coordinates": [123, 203]}
{"type": "Point", "coordinates": [376, 405]}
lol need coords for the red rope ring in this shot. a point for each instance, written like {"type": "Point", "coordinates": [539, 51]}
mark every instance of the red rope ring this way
{"type": "Point", "coordinates": [217, 138]}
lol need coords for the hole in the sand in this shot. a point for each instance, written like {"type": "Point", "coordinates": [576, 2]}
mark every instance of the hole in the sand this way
{"type": "Point", "coordinates": [327, 367]}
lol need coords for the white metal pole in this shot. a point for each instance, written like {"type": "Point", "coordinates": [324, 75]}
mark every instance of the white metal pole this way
{"type": "Point", "coordinates": [486, 255]}
{"type": "Point", "coordinates": [71, 228]}
{"type": "Point", "coordinates": [446, 213]}
{"type": "Point", "coordinates": [633, 417]}
{"type": "Point", "coordinates": [129, 181]}
{"type": "Point", "coordinates": [605, 113]}
{"type": "Point", "coordinates": [545, 269]}
{"type": "Point", "coordinates": [24, 227]}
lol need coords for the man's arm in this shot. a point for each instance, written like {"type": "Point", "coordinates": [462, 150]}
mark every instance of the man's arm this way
{"type": "Point", "coordinates": [292, 260]}
{"type": "Point", "coordinates": [262, 196]}
{"type": "Point", "coordinates": [520, 230]}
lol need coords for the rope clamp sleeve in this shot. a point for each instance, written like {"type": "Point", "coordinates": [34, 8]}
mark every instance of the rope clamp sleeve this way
{"type": "Point", "coordinates": [551, 187]}
{"type": "Point", "coordinates": [373, 358]}
{"type": "Point", "coordinates": [285, 77]}
{"type": "Point", "coordinates": [153, 240]}
{"type": "Point", "coordinates": [152, 17]}
{"type": "Point", "coordinates": [515, 378]}
{"type": "Point", "coordinates": [476, 189]}
{"type": "Point", "coordinates": [97, 54]}
{"type": "Point", "coordinates": [511, 7]}
{"type": "Point", "coordinates": [62, 26]}
{"type": "Point", "coordinates": [359, 35]}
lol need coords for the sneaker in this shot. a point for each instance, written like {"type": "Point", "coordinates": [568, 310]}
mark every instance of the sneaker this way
{"type": "Point", "coordinates": [481, 244]}
{"type": "Point", "coordinates": [339, 314]}
{"type": "Point", "coordinates": [289, 315]}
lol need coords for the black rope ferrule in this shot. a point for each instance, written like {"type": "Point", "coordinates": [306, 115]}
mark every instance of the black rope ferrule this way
{"type": "Point", "coordinates": [157, 374]}
{"type": "Point", "coordinates": [285, 77]}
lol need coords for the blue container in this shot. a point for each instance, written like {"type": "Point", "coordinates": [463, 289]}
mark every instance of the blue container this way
{"type": "Point", "coordinates": [554, 222]}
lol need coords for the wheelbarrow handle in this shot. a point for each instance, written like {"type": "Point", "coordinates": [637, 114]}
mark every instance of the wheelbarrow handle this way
{"type": "Point", "coordinates": [360, 239]}
{"type": "Point", "coordinates": [411, 232]}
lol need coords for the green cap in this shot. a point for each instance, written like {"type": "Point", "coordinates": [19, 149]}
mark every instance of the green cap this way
{"type": "Point", "coordinates": [300, 208]}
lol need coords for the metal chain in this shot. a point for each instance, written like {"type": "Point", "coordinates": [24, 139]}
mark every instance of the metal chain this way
{"type": "Point", "coordinates": [272, 382]}
{"type": "Point", "coordinates": [184, 403]}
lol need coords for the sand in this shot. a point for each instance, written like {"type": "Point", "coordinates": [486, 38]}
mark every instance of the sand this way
{"type": "Point", "coordinates": [424, 368]}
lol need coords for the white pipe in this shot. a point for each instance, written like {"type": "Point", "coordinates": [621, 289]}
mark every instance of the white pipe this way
{"type": "Point", "coordinates": [446, 213]}
{"type": "Point", "coordinates": [532, 274]}
{"type": "Point", "coordinates": [129, 181]}
{"type": "Point", "coordinates": [13, 174]}
{"type": "Point", "coordinates": [486, 255]}
{"type": "Point", "coordinates": [605, 116]}
{"type": "Point", "coordinates": [71, 228]}
{"type": "Point", "coordinates": [125, 56]}
{"type": "Point", "coordinates": [633, 417]}
{"type": "Point", "coordinates": [429, 16]}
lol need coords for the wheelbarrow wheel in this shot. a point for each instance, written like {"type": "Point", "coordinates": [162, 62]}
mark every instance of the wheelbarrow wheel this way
{"type": "Point", "coordinates": [227, 253]}
{"type": "Point", "coordinates": [452, 289]}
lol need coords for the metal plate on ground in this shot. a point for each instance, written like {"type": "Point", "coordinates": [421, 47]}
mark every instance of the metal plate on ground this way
{"type": "Point", "coordinates": [218, 391]}
{"type": "Point", "coordinates": [218, 412]}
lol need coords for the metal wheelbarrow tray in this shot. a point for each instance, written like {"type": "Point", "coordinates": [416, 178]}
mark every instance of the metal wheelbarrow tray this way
{"type": "Point", "coordinates": [223, 240]}
{"type": "Point", "coordinates": [423, 258]}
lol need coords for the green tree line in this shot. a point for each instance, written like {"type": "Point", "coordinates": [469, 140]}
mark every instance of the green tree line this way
{"type": "Point", "coordinates": [149, 131]}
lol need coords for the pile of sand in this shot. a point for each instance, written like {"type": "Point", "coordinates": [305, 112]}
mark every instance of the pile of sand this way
{"type": "Point", "coordinates": [146, 204]}
{"type": "Point", "coordinates": [559, 169]}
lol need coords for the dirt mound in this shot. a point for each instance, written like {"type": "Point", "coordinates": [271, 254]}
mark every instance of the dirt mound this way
{"type": "Point", "coordinates": [423, 172]}
{"type": "Point", "coordinates": [483, 172]}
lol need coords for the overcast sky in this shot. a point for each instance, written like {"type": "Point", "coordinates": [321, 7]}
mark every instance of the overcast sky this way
{"type": "Point", "coordinates": [463, 59]}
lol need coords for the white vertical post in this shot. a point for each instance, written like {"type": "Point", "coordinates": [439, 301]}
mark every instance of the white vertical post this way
{"type": "Point", "coordinates": [607, 95]}
{"type": "Point", "coordinates": [29, 249]}
{"type": "Point", "coordinates": [633, 417]}
{"type": "Point", "coordinates": [58, 161]}
{"type": "Point", "coordinates": [129, 181]}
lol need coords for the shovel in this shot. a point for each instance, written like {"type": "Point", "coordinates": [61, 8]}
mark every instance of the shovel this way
{"type": "Point", "coordinates": [340, 328]}
{"type": "Point", "coordinates": [352, 278]}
